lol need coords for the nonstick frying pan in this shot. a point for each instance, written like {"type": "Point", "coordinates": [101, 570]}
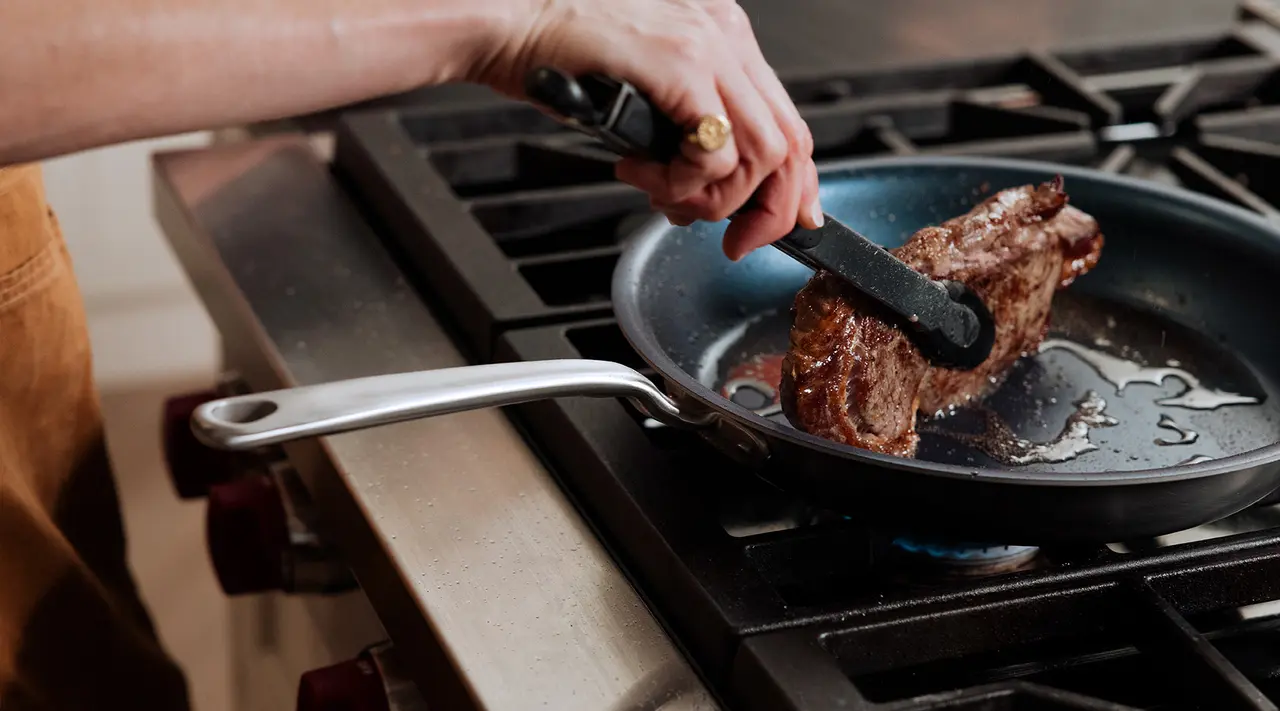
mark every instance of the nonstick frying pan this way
{"type": "Point", "coordinates": [1185, 288]}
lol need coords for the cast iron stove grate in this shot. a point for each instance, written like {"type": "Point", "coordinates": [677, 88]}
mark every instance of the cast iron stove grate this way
{"type": "Point", "coordinates": [512, 225]}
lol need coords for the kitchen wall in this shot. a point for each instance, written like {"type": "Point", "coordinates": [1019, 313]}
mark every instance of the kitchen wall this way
{"type": "Point", "coordinates": [151, 338]}
{"type": "Point", "coordinates": [147, 324]}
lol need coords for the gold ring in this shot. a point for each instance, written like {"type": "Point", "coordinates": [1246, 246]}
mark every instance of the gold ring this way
{"type": "Point", "coordinates": [711, 133]}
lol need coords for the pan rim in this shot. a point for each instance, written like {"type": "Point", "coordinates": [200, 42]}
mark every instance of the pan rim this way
{"type": "Point", "coordinates": [643, 339]}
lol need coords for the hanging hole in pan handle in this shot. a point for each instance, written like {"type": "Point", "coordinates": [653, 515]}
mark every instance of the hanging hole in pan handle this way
{"type": "Point", "coordinates": [242, 412]}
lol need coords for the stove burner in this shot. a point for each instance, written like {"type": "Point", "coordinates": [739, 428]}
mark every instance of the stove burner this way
{"type": "Point", "coordinates": [967, 559]}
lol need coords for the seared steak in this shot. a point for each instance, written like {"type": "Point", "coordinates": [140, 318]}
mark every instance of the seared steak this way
{"type": "Point", "coordinates": [853, 377]}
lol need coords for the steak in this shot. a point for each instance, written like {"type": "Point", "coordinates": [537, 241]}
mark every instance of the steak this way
{"type": "Point", "coordinates": [852, 376]}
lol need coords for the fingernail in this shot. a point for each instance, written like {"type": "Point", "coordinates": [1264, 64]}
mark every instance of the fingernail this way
{"type": "Point", "coordinates": [815, 213]}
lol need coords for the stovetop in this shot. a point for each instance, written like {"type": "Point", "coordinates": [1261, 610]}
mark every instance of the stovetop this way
{"type": "Point", "coordinates": [511, 225]}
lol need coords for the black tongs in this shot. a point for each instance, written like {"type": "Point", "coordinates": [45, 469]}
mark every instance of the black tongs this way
{"type": "Point", "coordinates": [945, 319]}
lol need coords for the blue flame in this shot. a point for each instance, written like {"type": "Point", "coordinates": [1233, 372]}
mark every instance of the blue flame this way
{"type": "Point", "coordinates": [977, 552]}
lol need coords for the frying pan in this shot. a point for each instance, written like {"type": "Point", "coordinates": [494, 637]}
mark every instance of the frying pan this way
{"type": "Point", "coordinates": [1184, 288]}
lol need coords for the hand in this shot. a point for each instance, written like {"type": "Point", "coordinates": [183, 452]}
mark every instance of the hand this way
{"type": "Point", "coordinates": [692, 58]}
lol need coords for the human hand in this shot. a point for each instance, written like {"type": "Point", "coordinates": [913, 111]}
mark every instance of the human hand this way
{"type": "Point", "coordinates": [692, 58]}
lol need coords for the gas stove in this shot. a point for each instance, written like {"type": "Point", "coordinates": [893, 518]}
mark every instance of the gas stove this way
{"type": "Point", "coordinates": [511, 225]}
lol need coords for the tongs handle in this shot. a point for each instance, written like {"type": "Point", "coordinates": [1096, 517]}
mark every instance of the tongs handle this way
{"type": "Point", "coordinates": [947, 321]}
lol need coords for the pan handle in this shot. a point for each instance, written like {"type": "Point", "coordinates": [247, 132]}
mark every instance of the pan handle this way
{"type": "Point", "coordinates": [260, 419]}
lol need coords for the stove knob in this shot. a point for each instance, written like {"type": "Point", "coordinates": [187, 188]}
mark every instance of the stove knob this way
{"type": "Point", "coordinates": [370, 682]}
{"type": "Point", "coordinates": [193, 467]}
{"type": "Point", "coordinates": [353, 685]}
{"type": "Point", "coordinates": [260, 538]}
{"type": "Point", "coordinates": [247, 532]}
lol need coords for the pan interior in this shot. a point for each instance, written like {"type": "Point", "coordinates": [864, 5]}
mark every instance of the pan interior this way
{"type": "Point", "coordinates": [1183, 292]}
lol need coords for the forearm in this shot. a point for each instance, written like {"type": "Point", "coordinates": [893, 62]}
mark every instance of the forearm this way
{"type": "Point", "coordinates": [76, 74]}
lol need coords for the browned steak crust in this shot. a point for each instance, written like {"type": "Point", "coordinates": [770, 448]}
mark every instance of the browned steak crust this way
{"type": "Point", "coordinates": [852, 377]}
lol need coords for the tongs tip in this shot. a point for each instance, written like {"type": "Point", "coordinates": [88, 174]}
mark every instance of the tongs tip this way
{"type": "Point", "coordinates": [970, 335]}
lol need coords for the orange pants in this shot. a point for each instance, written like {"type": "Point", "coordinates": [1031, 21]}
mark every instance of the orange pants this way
{"type": "Point", "coordinates": [73, 631]}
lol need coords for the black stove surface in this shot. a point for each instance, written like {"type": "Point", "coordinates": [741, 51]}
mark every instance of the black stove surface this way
{"type": "Point", "coordinates": [512, 226]}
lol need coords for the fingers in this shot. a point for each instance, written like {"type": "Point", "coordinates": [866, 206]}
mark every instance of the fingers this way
{"type": "Point", "coordinates": [679, 220]}
{"type": "Point", "coordinates": [762, 147]}
{"type": "Point", "coordinates": [799, 144]}
{"type": "Point", "coordinates": [696, 58]}
{"type": "Point", "coordinates": [714, 184]}
{"type": "Point", "coordinates": [690, 173]}
{"type": "Point", "coordinates": [802, 188]}
{"type": "Point", "coordinates": [775, 154]}
{"type": "Point", "coordinates": [676, 215]}
{"type": "Point", "coordinates": [811, 217]}
{"type": "Point", "coordinates": [774, 215]}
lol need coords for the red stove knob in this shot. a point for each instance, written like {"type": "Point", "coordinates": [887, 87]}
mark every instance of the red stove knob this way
{"type": "Point", "coordinates": [353, 685]}
{"type": "Point", "coordinates": [193, 467]}
{"type": "Point", "coordinates": [373, 681]}
{"type": "Point", "coordinates": [247, 532]}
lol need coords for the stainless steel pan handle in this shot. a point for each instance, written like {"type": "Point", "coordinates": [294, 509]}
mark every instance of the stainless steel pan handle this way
{"type": "Point", "coordinates": [259, 419]}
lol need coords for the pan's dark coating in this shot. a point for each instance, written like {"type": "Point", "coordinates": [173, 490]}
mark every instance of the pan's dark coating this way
{"type": "Point", "coordinates": [1186, 285]}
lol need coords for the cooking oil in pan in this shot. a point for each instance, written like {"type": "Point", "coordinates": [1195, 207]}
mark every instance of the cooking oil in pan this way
{"type": "Point", "coordinates": [1185, 436]}
{"type": "Point", "coordinates": [754, 384]}
{"type": "Point", "coordinates": [1068, 408]}
{"type": "Point", "coordinates": [998, 441]}
{"type": "Point", "coordinates": [1122, 373]}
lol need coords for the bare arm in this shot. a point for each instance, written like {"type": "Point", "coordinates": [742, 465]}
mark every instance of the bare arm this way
{"type": "Point", "coordinates": [76, 74]}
